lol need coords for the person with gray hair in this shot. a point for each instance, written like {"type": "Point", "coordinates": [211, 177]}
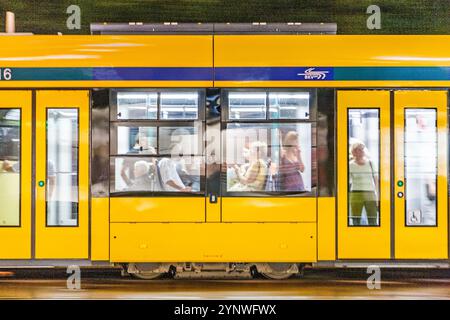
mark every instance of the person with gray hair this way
{"type": "Point", "coordinates": [363, 188]}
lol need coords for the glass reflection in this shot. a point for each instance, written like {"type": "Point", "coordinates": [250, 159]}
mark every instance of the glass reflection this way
{"type": "Point", "coordinates": [420, 166]}
{"type": "Point", "coordinates": [289, 105]}
{"type": "Point", "coordinates": [272, 158]}
{"type": "Point", "coordinates": [62, 167]}
{"type": "Point", "coordinates": [247, 105]}
{"type": "Point", "coordinates": [136, 105]}
{"type": "Point", "coordinates": [179, 105]}
{"type": "Point", "coordinates": [155, 174]}
{"type": "Point", "coordinates": [136, 140]}
{"type": "Point", "coordinates": [10, 167]}
{"type": "Point", "coordinates": [363, 164]}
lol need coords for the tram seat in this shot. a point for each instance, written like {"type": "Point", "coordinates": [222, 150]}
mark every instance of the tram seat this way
{"type": "Point", "coordinates": [158, 175]}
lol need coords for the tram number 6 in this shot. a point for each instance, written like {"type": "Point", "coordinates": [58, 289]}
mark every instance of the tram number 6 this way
{"type": "Point", "coordinates": [5, 74]}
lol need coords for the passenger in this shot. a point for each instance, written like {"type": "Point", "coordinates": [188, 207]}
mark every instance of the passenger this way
{"type": "Point", "coordinates": [291, 164]}
{"type": "Point", "coordinates": [140, 147]}
{"type": "Point", "coordinates": [363, 186]}
{"type": "Point", "coordinates": [142, 180]}
{"type": "Point", "coordinates": [253, 178]}
{"type": "Point", "coordinates": [170, 178]}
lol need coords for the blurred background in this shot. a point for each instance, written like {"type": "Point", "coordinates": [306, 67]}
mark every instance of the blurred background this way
{"type": "Point", "coordinates": [397, 16]}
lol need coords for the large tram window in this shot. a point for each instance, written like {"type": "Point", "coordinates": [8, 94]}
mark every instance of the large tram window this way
{"type": "Point", "coordinates": [160, 154]}
{"type": "Point", "coordinates": [420, 166]}
{"type": "Point", "coordinates": [363, 164]}
{"type": "Point", "coordinates": [10, 167]}
{"type": "Point", "coordinates": [179, 105]}
{"type": "Point", "coordinates": [137, 105]}
{"type": "Point", "coordinates": [273, 157]}
{"type": "Point", "coordinates": [62, 167]}
{"type": "Point", "coordinates": [247, 105]}
{"type": "Point", "coordinates": [157, 174]}
{"type": "Point", "coordinates": [289, 105]}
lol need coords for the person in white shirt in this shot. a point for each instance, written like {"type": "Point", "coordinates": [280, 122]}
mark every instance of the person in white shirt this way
{"type": "Point", "coordinates": [170, 178]}
{"type": "Point", "coordinates": [363, 185]}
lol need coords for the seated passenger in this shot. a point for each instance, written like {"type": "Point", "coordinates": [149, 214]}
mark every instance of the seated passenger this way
{"type": "Point", "coordinates": [291, 165]}
{"type": "Point", "coordinates": [170, 179]}
{"type": "Point", "coordinates": [141, 146]}
{"type": "Point", "coordinates": [142, 180]}
{"type": "Point", "coordinates": [252, 177]}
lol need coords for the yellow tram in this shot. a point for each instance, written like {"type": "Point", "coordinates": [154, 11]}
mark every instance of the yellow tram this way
{"type": "Point", "coordinates": [211, 149]}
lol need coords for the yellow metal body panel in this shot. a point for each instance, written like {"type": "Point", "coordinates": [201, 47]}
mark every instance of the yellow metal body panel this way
{"type": "Point", "coordinates": [62, 242]}
{"type": "Point", "coordinates": [100, 229]}
{"type": "Point", "coordinates": [326, 228]}
{"type": "Point", "coordinates": [152, 209]}
{"type": "Point", "coordinates": [103, 51]}
{"type": "Point", "coordinates": [16, 241]}
{"type": "Point", "coordinates": [421, 242]}
{"type": "Point", "coordinates": [366, 242]}
{"type": "Point", "coordinates": [84, 51]}
{"type": "Point", "coordinates": [269, 209]}
{"type": "Point", "coordinates": [347, 51]}
{"type": "Point", "coordinates": [213, 242]}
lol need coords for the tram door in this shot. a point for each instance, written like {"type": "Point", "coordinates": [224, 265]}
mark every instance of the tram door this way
{"type": "Point", "coordinates": [392, 175]}
{"type": "Point", "coordinates": [62, 162]}
{"type": "Point", "coordinates": [15, 174]}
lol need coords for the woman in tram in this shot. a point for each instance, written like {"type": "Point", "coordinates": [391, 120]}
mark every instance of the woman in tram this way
{"type": "Point", "coordinates": [291, 164]}
{"type": "Point", "coordinates": [254, 177]}
{"type": "Point", "coordinates": [363, 185]}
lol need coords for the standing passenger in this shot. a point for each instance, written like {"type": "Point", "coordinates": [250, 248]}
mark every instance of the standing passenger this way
{"type": "Point", "coordinates": [363, 186]}
{"type": "Point", "coordinates": [291, 164]}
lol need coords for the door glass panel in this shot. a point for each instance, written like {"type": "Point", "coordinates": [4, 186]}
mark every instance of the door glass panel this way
{"type": "Point", "coordinates": [363, 163]}
{"type": "Point", "coordinates": [420, 166]}
{"type": "Point", "coordinates": [10, 167]}
{"type": "Point", "coordinates": [289, 105]}
{"type": "Point", "coordinates": [62, 167]}
{"type": "Point", "coordinates": [179, 105]}
{"type": "Point", "coordinates": [136, 105]}
{"type": "Point", "coordinates": [247, 105]}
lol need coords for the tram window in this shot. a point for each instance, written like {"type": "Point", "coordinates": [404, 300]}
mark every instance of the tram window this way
{"type": "Point", "coordinates": [136, 140]}
{"type": "Point", "coordinates": [179, 105]}
{"type": "Point", "coordinates": [275, 157]}
{"type": "Point", "coordinates": [363, 164]}
{"type": "Point", "coordinates": [179, 140]}
{"type": "Point", "coordinates": [62, 167]}
{"type": "Point", "coordinates": [420, 166]}
{"type": "Point", "coordinates": [247, 105]}
{"type": "Point", "coordinates": [10, 167]}
{"type": "Point", "coordinates": [137, 105]}
{"type": "Point", "coordinates": [289, 105]}
{"type": "Point", "coordinates": [157, 174]}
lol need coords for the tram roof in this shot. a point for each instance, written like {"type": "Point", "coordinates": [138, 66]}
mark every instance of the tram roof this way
{"type": "Point", "coordinates": [140, 28]}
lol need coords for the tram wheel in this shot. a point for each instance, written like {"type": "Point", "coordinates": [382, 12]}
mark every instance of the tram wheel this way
{"type": "Point", "coordinates": [279, 271]}
{"type": "Point", "coordinates": [145, 271]}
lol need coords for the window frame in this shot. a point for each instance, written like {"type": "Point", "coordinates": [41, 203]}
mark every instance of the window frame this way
{"type": "Point", "coordinates": [78, 168]}
{"type": "Point", "coordinates": [158, 123]}
{"type": "Point", "coordinates": [436, 128]}
{"type": "Point", "coordinates": [19, 225]}
{"type": "Point", "coordinates": [378, 225]}
{"type": "Point", "coordinates": [225, 120]}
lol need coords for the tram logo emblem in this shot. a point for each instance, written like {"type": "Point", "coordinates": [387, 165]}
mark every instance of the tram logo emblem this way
{"type": "Point", "coordinates": [312, 74]}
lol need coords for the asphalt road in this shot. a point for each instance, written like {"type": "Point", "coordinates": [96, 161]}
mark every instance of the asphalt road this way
{"type": "Point", "coordinates": [316, 284]}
